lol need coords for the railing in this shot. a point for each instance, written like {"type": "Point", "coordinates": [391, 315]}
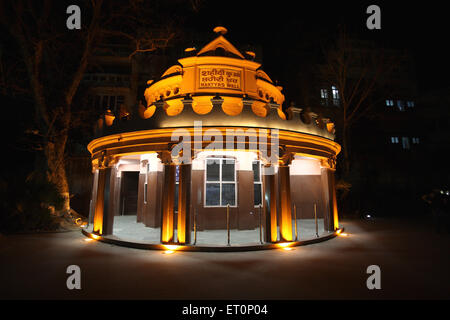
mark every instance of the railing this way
{"type": "Point", "coordinates": [228, 224]}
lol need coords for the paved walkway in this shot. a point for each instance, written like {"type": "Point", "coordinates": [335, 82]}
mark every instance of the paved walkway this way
{"type": "Point", "coordinates": [414, 262]}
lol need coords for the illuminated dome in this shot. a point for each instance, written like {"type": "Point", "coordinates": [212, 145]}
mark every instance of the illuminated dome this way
{"type": "Point", "coordinates": [220, 175]}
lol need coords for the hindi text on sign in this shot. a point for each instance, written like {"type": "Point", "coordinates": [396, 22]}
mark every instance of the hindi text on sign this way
{"type": "Point", "coordinates": [220, 78]}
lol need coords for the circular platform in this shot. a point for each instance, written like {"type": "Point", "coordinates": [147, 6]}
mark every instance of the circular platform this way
{"type": "Point", "coordinates": [134, 243]}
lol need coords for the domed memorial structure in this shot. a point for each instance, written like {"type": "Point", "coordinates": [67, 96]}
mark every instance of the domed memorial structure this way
{"type": "Point", "coordinates": [214, 162]}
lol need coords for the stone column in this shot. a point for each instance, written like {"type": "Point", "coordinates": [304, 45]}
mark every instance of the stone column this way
{"type": "Point", "coordinates": [93, 197]}
{"type": "Point", "coordinates": [142, 205]}
{"type": "Point", "coordinates": [168, 186]}
{"type": "Point", "coordinates": [184, 204]}
{"type": "Point", "coordinates": [270, 204]}
{"type": "Point", "coordinates": [103, 215]}
{"type": "Point", "coordinates": [285, 202]}
{"type": "Point", "coordinates": [331, 220]}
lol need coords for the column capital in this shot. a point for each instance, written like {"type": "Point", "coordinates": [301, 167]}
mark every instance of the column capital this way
{"type": "Point", "coordinates": [285, 157]}
{"type": "Point", "coordinates": [104, 161]}
{"type": "Point", "coordinates": [329, 163]}
{"type": "Point", "coordinates": [165, 157]}
{"type": "Point", "coordinates": [182, 157]}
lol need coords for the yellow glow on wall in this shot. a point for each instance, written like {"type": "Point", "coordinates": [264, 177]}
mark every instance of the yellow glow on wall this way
{"type": "Point", "coordinates": [286, 226]}
{"type": "Point", "coordinates": [285, 203]}
{"type": "Point", "coordinates": [281, 114]}
{"type": "Point", "coordinates": [305, 166]}
{"type": "Point", "coordinates": [98, 223]}
{"type": "Point", "coordinates": [330, 126]}
{"type": "Point", "coordinates": [173, 107]}
{"type": "Point", "coordinates": [335, 209]}
{"type": "Point", "coordinates": [284, 244]}
{"type": "Point", "coordinates": [259, 108]}
{"type": "Point", "coordinates": [172, 247]}
{"type": "Point", "coordinates": [167, 228]}
{"type": "Point", "coordinates": [273, 228]}
{"type": "Point", "coordinates": [181, 230]}
{"type": "Point", "coordinates": [232, 106]}
{"type": "Point", "coordinates": [167, 218]}
{"type": "Point", "coordinates": [293, 137]}
{"type": "Point", "coordinates": [202, 104]}
{"type": "Point", "coordinates": [335, 217]}
{"type": "Point", "coordinates": [109, 118]}
{"type": "Point", "coordinates": [148, 113]}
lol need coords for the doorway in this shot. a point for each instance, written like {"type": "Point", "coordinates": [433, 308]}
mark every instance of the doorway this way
{"type": "Point", "coordinates": [129, 193]}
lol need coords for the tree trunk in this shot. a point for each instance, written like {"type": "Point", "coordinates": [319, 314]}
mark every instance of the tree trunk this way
{"type": "Point", "coordinates": [345, 149]}
{"type": "Point", "coordinates": [56, 170]}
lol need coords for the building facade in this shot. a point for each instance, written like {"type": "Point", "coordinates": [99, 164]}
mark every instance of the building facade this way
{"type": "Point", "coordinates": [214, 150]}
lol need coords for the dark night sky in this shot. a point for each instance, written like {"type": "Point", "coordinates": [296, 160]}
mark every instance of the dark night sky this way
{"type": "Point", "coordinates": [420, 27]}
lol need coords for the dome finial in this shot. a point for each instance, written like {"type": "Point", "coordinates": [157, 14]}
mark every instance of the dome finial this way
{"type": "Point", "coordinates": [220, 30]}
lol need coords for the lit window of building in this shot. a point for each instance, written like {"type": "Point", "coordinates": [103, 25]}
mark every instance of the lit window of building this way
{"type": "Point", "coordinates": [335, 93]}
{"type": "Point", "coordinates": [394, 139]}
{"type": "Point", "coordinates": [390, 103]}
{"type": "Point", "coordinates": [400, 105]}
{"type": "Point", "coordinates": [324, 97]}
{"type": "Point", "coordinates": [410, 104]}
{"type": "Point", "coordinates": [415, 140]}
{"type": "Point", "coordinates": [405, 142]}
{"type": "Point", "coordinates": [220, 182]}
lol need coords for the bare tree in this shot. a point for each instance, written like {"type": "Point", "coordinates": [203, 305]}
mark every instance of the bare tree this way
{"type": "Point", "coordinates": [356, 71]}
{"type": "Point", "coordinates": [39, 42]}
{"type": "Point", "coordinates": [56, 59]}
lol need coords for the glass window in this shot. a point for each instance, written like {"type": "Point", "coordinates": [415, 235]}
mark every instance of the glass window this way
{"type": "Point", "coordinates": [105, 101]}
{"type": "Point", "coordinates": [394, 139]}
{"type": "Point", "coordinates": [257, 183]}
{"type": "Point", "coordinates": [112, 102]}
{"type": "Point", "coordinates": [335, 93]}
{"type": "Point", "coordinates": [256, 171]}
{"type": "Point", "coordinates": [145, 192]}
{"type": "Point", "coordinates": [257, 189]}
{"type": "Point", "coordinates": [415, 140]}
{"type": "Point", "coordinates": [120, 100]}
{"type": "Point", "coordinates": [400, 105]}
{"type": "Point", "coordinates": [228, 170]}
{"type": "Point", "coordinates": [228, 194]}
{"type": "Point", "coordinates": [212, 194]}
{"type": "Point", "coordinates": [220, 182]}
{"type": "Point", "coordinates": [213, 170]}
{"type": "Point", "coordinates": [405, 142]}
{"type": "Point", "coordinates": [324, 97]}
{"type": "Point", "coordinates": [177, 174]}
{"type": "Point", "coordinates": [410, 104]}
